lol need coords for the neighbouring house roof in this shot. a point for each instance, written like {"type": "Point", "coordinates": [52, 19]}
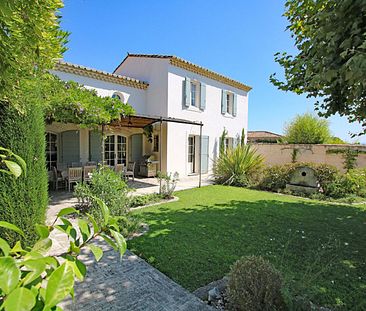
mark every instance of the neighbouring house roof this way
{"type": "Point", "coordinates": [99, 74]}
{"type": "Point", "coordinates": [263, 135]}
{"type": "Point", "coordinates": [181, 63]}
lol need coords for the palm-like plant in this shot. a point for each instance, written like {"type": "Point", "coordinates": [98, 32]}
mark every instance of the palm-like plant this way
{"type": "Point", "coordinates": [237, 166]}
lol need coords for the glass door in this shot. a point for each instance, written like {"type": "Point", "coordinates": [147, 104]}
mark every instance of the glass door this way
{"type": "Point", "coordinates": [115, 150]}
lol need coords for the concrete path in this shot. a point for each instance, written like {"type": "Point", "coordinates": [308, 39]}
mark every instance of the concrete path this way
{"type": "Point", "coordinates": [111, 284]}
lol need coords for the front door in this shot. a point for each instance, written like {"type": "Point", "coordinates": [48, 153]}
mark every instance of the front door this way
{"type": "Point", "coordinates": [191, 154]}
{"type": "Point", "coordinates": [115, 150]}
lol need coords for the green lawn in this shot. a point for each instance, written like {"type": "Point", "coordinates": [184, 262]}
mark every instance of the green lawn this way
{"type": "Point", "coordinates": [319, 247]}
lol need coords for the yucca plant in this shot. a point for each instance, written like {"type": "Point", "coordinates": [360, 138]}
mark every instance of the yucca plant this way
{"type": "Point", "coordinates": [237, 166]}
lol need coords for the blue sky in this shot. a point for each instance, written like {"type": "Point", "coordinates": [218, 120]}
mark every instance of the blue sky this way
{"type": "Point", "coordinates": [234, 38]}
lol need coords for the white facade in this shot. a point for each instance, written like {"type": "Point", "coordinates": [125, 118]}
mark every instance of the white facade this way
{"type": "Point", "coordinates": [172, 91]}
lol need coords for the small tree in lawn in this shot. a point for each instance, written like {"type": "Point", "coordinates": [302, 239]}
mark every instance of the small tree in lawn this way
{"type": "Point", "coordinates": [307, 129]}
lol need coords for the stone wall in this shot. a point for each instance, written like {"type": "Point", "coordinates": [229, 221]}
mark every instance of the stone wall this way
{"type": "Point", "coordinates": [283, 153]}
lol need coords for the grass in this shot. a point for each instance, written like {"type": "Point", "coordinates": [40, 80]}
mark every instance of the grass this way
{"type": "Point", "coordinates": [319, 247]}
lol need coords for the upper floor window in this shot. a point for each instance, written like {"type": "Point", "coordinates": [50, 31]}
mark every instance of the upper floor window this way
{"type": "Point", "coordinates": [119, 96]}
{"type": "Point", "coordinates": [229, 103]}
{"type": "Point", "coordinates": [195, 94]}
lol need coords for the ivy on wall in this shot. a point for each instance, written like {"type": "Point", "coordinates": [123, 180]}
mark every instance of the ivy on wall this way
{"type": "Point", "coordinates": [349, 155]}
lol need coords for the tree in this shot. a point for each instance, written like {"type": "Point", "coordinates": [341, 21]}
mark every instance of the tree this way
{"type": "Point", "coordinates": [307, 129]}
{"type": "Point", "coordinates": [331, 62]}
{"type": "Point", "coordinates": [31, 40]}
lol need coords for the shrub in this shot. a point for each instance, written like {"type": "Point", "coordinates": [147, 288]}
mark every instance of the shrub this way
{"type": "Point", "coordinates": [168, 183]}
{"type": "Point", "coordinates": [353, 183]}
{"type": "Point", "coordinates": [108, 186]}
{"type": "Point", "coordinates": [275, 178]}
{"type": "Point", "coordinates": [254, 285]}
{"type": "Point", "coordinates": [237, 166]}
{"type": "Point", "coordinates": [307, 129]}
{"type": "Point", "coordinates": [140, 200]}
{"type": "Point", "coordinates": [23, 201]}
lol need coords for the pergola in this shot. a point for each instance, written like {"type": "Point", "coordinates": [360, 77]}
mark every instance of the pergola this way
{"type": "Point", "coordinates": [141, 121]}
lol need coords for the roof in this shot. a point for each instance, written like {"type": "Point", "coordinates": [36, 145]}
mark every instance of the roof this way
{"type": "Point", "coordinates": [99, 74]}
{"type": "Point", "coordinates": [181, 63]}
{"type": "Point", "coordinates": [140, 121]}
{"type": "Point", "coordinates": [262, 134]}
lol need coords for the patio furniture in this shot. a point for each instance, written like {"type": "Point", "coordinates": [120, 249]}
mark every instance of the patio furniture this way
{"type": "Point", "coordinates": [88, 171]}
{"type": "Point", "coordinates": [57, 178]}
{"type": "Point", "coordinates": [76, 164]}
{"type": "Point", "coordinates": [91, 163]}
{"type": "Point", "coordinates": [119, 168]}
{"type": "Point", "coordinates": [148, 166]}
{"type": "Point", "coordinates": [75, 174]}
{"type": "Point", "coordinates": [130, 171]}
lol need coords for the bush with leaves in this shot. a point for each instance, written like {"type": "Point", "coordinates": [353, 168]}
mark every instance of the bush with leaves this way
{"type": "Point", "coordinates": [255, 285]}
{"type": "Point", "coordinates": [108, 186]}
{"type": "Point", "coordinates": [237, 166]}
{"type": "Point", "coordinates": [168, 182]}
{"type": "Point", "coordinates": [31, 279]}
{"type": "Point", "coordinates": [307, 129]}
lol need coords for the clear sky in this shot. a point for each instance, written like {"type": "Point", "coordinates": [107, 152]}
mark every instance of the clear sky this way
{"type": "Point", "coordinates": [236, 38]}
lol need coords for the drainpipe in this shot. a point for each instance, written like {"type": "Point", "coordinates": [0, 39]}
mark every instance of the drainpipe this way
{"type": "Point", "coordinates": [160, 145]}
{"type": "Point", "coordinates": [102, 144]}
{"type": "Point", "coordinates": [200, 172]}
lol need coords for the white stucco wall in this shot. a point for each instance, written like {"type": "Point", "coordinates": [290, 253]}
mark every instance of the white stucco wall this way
{"type": "Point", "coordinates": [214, 122]}
{"type": "Point", "coordinates": [135, 97]}
{"type": "Point", "coordinates": [155, 72]}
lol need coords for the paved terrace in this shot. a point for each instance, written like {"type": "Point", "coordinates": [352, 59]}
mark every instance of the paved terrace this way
{"type": "Point", "coordinates": [130, 284]}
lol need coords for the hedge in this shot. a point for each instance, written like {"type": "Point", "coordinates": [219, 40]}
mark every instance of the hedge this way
{"type": "Point", "coordinates": [23, 201]}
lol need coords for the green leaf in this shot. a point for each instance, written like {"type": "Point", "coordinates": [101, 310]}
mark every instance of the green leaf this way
{"type": "Point", "coordinates": [21, 162]}
{"type": "Point", "coordinates": [109, 241]}
{"type": "Point", "coordinates": [17, 248]}
{"type": "Point", "coordinates": [84, 229]}
{"type": "Point", "coordinates": [9, 274]}
{"type": "Point", "coordinates": [79, 269]}
{"type": "Point", "coordinates": [104, 209]}
{"type": "Point", "coordinates": [21, 299]}
{"type": "Point", "coordinates": [95, 225]}
{"type": "Point", "coordinates": [121, 242]}
{"type": "Point", "coordinates": [42, 246]}
{"type": "Point", "coordinates": [10, 226]}
{"type": "Point", "coordinates": [59, 285]}
{"type": "Point", "coordinates": [97, 251]}
{"type": "Point", "coordinates": [36, 268]}
{"type": "Point", "coordinates": [67, 211]}
{"type": "Point", "coordinates": [13, 167]}
{"type": "Point", "coordinates": [42, 231]}
{"type": "Point", "coordinates": [4, 246]}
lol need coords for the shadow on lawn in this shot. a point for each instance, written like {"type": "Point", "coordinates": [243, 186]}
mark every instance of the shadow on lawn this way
{"type": "Point", "coordinates": [320, 248]}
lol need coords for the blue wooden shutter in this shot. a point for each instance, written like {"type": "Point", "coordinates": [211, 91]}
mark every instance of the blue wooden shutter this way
{"type": "Point", "coordinates": [95, 146]}
{"type": "Point", "coordinates": [235, 105]}
{"type": "Point", "coordinates": [223, 102]}
{"type": "Point", "coordinates": [203, 97]}
{"type": "Point", "coordinates": [204, 154]}
{"type": "Point", "coordinates": [187, 92]}
{"type": "Point", "coordinates": [70, 147]}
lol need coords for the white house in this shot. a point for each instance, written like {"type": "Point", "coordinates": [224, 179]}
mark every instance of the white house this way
{"type": "Point", "coordinates": [178, 98]}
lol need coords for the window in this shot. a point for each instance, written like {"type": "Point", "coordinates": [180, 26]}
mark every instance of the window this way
{"type": "Point", "coordinates": [119, 96]}
{"type": "Point", "coordinates": [115, 150]}
{"type": "Point", "coordinates": [195, 94]}
{"type": "Point", "coordinates": [229, 103]}
{"type": "Point", "coordinates": [156, 143]}
{"type": "Point", "coordinates": [191, 154]}
{"type": "Point", "coordinates": [51, 150]}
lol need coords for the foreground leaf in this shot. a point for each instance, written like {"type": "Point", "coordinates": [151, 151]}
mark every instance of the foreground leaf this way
{"type": "Point", "coordinates": [59, 285]}
{"type": "Point", "coordinates": [10, 226]}
{"type": "Point", "coordinates": [97, 251]}
{"type": "Point", "coordinates": [21, 299]}
{"type": "Point", "coordinates": [9, 274]}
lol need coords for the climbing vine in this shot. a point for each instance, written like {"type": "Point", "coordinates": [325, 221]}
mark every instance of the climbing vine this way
{"type": "Point", "coordinates": [148, 132]}
{"type": "Point", "coordinates": [349, 155]}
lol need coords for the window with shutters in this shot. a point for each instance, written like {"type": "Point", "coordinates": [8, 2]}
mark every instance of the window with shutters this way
{"type": "Point", "coordinates": [229, 103]}
{"type": "Point", "coordinates": [195, 94]}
